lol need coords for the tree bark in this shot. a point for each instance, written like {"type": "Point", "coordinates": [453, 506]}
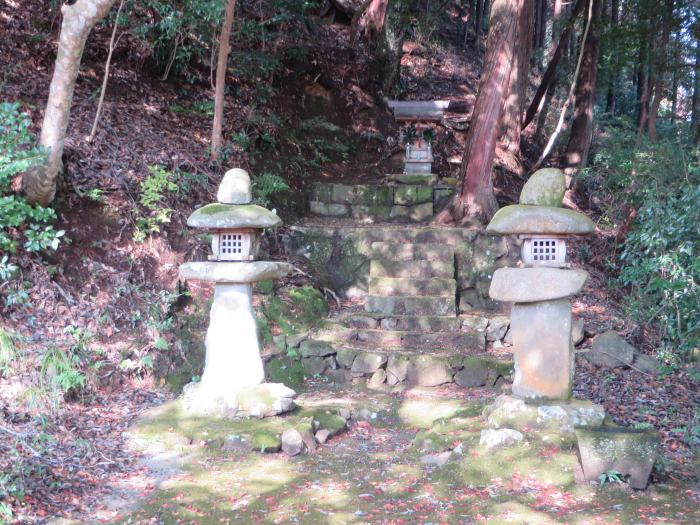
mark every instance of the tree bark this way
{"type": "Point", "coordinates": [643, 74]}
{"type": "Point", "coordinates": [549, 74]}
{"type": "Point", "coordinates": [695, 115]}
{"type": "Point", "coordinates": [610, 102]}
{"type": "Point", "coordinates": [475, 199]}
{"type": "Point", "coordinates": [660, 70]}
{"type": "Point", "coordinates": [370, 21]}
{"type": "Point", "coordinates": [478, 19]}
{"type": "Point", "coordinates": [78, 20]}
{"type": "Point", "coordinates": [386, 64]}
{"type": "Point", "coordinates": [517, 88]}
{"type": "Point", "coordinates": [576, 155]}
{"type": "Point", "coordinates": [220, 90]}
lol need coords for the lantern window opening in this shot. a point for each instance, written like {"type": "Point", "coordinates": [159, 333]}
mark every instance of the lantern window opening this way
{"type": "Point", "coordinates": [542, 250]}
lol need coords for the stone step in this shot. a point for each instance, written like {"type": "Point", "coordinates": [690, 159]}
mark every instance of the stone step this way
{"type": "Point", "coordinates": [408, 305]}
{"type": "Point", "coordinates": [403, 322]}
{"type": "Point", "coordinates": [392, 286]}
{"type": "Point", "coordinates": [343, 362]}
{"type": "Point", "coordinates": [394, 251]}
{"type": "Point", "coordinates": [412, 269]}
{"type": "Point", "coordinates": [392, 341]}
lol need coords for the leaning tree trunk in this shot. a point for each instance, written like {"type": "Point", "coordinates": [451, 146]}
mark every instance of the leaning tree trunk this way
{"type": "Point", "coordinates": [78, 20]}
{"type": "Point", "coordinates": [576, 155]}
{"type": "Point", "coordinates": [517, 89]}
{"type": "Point", "coordinates": [610, 101]}
{"type": "Point", "coordinates": [221, 66]}
{"type": "Point", "coordinates": [386, 64]}
{"type": "Point", "coordinates": [475, 199]}
{"type": "Point", "coordinates": [369, 21]}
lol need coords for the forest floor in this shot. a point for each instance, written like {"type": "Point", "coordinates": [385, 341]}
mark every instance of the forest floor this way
{"type": "Point", "coordinates": [409, 457]}
{"type": "Point", "coordinates": [76, 453]}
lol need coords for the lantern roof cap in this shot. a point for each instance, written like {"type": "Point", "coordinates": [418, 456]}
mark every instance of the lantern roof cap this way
{"type": "Point", "coordinates": [219, 216]}
{"type": "Point", "coordinates": [524, 219]}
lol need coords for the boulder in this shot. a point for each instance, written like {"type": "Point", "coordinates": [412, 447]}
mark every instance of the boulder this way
{"type": "Point", "coordinates": [503, 437]}
{"type": "Point", "coordinates": [234, 273]}
{"type": "Point", "coordinates": [396, 369]}
{"type": "Point", "coordinates": [528, 285]}
{"type": "Point", "coordinates": [235, 188]}
{"type": "Point", "coordinates": [216, 215]}
{"type": "Point", "coordinates": [314, 366]}
{"type": "Point", "coordinates": [345, 357]}
{"type": "Point", "coordinates": [377, 380]}
{"type": "Point", "coordinates": [610, 350]}
{"type": "Point", "coordinates": [322, 435]}
{"type": "Point", "coordinates": [519, 218]}
{"type": "Point", "coordinates": [646, 363]}
{"type": "Point", "coordinates": [426, 370]}
{"type": "Point", "coordinates": [326, 420]}
{"type": "Point", "coordinates": [497, 328]}
{"type": "Point", "coordinates": [476, 374]}
{"type": "Point", "coordinates": [545, 187]}
{"type": "Point", "coordinates": [309, 440]}
{"type": "Point", "coordinates": [292, 442]}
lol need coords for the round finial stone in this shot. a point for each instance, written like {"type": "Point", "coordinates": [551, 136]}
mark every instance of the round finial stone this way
{"type": "Point", "coordinates": [545, 187]}
{"type": "Point", "coordinates": [235, 188]}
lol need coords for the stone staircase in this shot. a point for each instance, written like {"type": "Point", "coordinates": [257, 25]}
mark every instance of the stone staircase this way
{"type": "Point", "coordinates": [409, 327]}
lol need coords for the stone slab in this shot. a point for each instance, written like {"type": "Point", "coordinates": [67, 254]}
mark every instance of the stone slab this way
{"type": "Point", "coordinates": [424, 179]}
{"type": "Point", "coordinates": [234, 272]}
{"type": "Point", "coordinates": [542, 349]}
{"type": "Point", "coordinates": [411, 251]}
{"type": "Point", "coordinates": [408, 195]}
{"type": "Point", "coordinates": [433, 306]}
{"type": "Point", "coordinates": [216, 215]}
{"type": "Point", "coordinates": [417, 287]}
{"type": "Point", "coordinates": [426, 370]}
{"type": "Point", "coordinates": [520, 219]}
{"type": "Point", "coordinates": [527, 285]}
{"type": "Point", "coordinates": [328, 209]}
{"type": "Point", "coordinates": [421, 323]}
{"type": "Point", "coordinates": [412, 269]}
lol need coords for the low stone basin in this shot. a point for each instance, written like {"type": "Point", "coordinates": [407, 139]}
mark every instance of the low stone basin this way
{"type": "Point", "coordinates": [628, 451]}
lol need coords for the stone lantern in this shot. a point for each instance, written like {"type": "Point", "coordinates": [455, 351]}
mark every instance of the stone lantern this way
{"type": "Point", "coordinates": [231, 383]}
{"type": "Point", "coordinates": [540, 290]}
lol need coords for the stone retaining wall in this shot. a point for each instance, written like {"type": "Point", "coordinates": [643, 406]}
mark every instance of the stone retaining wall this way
{"type": "Point", "coordinates": [339, 256]}
{"type": "Point", "coordinates": [403, 202]}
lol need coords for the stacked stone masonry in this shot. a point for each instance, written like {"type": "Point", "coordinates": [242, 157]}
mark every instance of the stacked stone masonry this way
{"type": "Point", "coordinates": [374, 203]}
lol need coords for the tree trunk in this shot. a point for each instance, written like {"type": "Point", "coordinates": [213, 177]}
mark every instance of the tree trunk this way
{"type": "Point", "coordinates": [549, 74]}
{"type": "Point", "coordinates": [610, 101]}
{"type": "Point", "coordinates": [543, 24]}
{"type": "Point", "coordinates": [517, 89]}
{"type": "Point", "coordinates": [576, 155]}
{"type": "Point", "coordinates": [695, 116]}
{"type": "Point", "coordinates": [370, 21]}
{"type": "Point", "coordinates": [660, 70]}
{"type": "Point", "coordinates": [386, 64]}
{"type": "Point", "coordinates": [674, 82]}
{"type": "Point", "coordinates": [556, 22]}
{"type": "Point", "coordinates": [643, 75]}
{"type": "Point", "coordinates": [475, 198]}
{"type": "Point", "coordinates": [478, 19]}
{"type": "Point", "coordinates": [221, 66]}
{"type": "Point", "coordinates": [78, 20]}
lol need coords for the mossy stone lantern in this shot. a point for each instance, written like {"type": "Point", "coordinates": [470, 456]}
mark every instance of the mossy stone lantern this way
{"type": "Point", "coordinates": [233, 372]}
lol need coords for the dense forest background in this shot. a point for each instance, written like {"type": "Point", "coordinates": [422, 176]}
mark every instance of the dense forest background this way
{"type": "Point", "coordinates": [151, 101]}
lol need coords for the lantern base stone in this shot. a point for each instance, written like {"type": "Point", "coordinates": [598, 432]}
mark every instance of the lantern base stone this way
{"type": "Point", "coordinates": [264, 400]}
{"type": "Point", "coordinates": [549, 416]}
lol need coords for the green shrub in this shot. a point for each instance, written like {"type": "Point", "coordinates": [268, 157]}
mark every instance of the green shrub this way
{"type": "Point", "coordinates": [153, 192]}
{"type": "Point", "coordinates": [21, 222]}
{"type": "Point", "coordinates": [659, 261]}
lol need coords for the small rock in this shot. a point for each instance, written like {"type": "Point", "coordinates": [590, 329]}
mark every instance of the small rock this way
{"type": "Point", "coordinates": [295, 340]}
{"type": "Point", "coordinates": [491, 438]}
{"type": "Point", "coordinates": [345, 357]}
{"type": "Point", "coordinates": [325, 420]}
{"type": "Point", "coordinates": [577, 332]}
{"type": "Point", "coordinates": [265, 400]}
{"type": "Point", "coordinates": [436, 459]}
{"type": "Point", "coordinates": [472, 376]}
{"type": "Point", "coordinates": [280, 341]}
{"type": "Point", "coordinates": [292, 442]}
{"type": "Point", "coordinates": [234, 443]}
{"type": "Point", "coordinates": [367, 363]}
{"type": "Point", "coordinates": [426, 370]}
{"type": "Point", "coordinates": [377, 380]}
{"type": "Point", "coordinates": [646, 363]}
{"type": "Point", "coordinates": [323, 435]}
{"type": "Point", "coordinates": [309, 440]}
{"type": "Point", "coordinates": [396, 369]}
{"type": "Point", "coordinates": [497, 328]}
{"type": "Point", "coordinates": [365, 415]}
{"type": "Point", "coordinates": [545, 187]}
{"type": "Point", "coordinates": [344, 413]}
{"type": "Point", "coordinates": [610, 350]}
{"type": "Point", "coordinates": [309, 348]}
{"type": "Point", "coordinates": [314, 366]}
